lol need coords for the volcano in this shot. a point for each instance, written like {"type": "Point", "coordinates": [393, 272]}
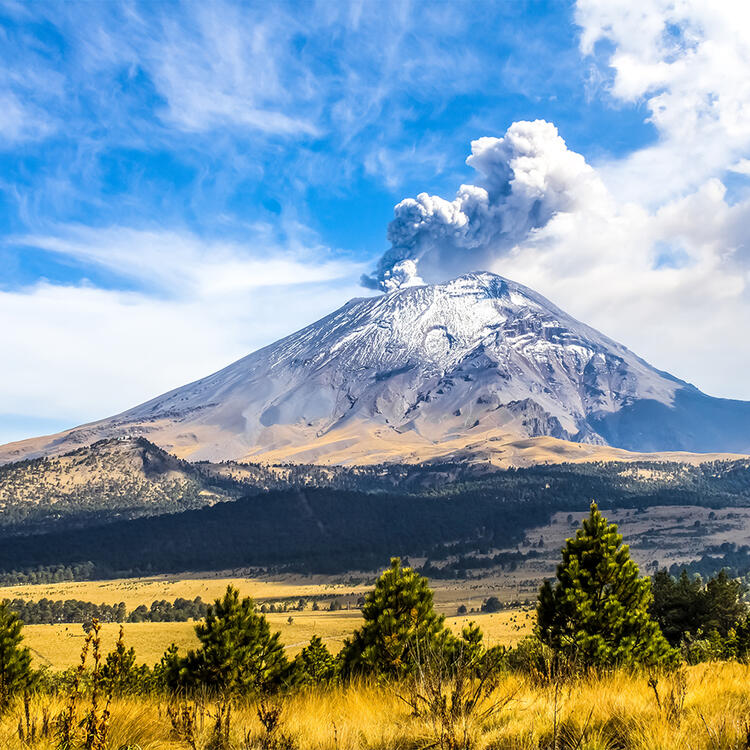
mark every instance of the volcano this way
{"type": "Point", "coordinates": [478, 366]}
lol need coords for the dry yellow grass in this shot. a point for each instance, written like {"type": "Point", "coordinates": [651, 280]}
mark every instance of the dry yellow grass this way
{"type": "Point", "coordinates": [58, 646]}
{"type": "Point", "coordinates": [614, 712]}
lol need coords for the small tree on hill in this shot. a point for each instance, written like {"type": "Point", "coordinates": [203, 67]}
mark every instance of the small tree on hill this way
{"type": "Point", "coordinates": [15, 660]}
{"type": "Point", "coordinates": [598, 611]}
{"type": "Point", "coordinates": [400, 620]}
{"type": "Point", "coordinates": [238, 652]}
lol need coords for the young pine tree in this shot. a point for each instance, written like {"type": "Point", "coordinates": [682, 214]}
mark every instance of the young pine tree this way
{"type": "Point", "coordinates": [597, 613]}
{"type": "Point", "coordinates": [315, 664]}
{"type": "Point", "coordinates": [120, 674]}
{"type": "Point", "coordinates": [400, 621]}
{"type": "Point", "coordinates": [15, 661]}
{"type": "Point", "coordinates": [238, 653]}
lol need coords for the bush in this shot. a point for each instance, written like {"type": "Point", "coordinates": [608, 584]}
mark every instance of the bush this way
{"type": "Point", "coordinates": [533, 658]}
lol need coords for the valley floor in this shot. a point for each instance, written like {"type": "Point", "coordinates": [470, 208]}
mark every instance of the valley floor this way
{"type": "Point", "coordinates": [59, 646]}
{"type": "Point", "coordinates": [705, 707]}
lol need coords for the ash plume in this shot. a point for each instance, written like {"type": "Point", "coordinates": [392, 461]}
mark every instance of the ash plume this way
{"type": "Point", "coordinates": [523, 180]}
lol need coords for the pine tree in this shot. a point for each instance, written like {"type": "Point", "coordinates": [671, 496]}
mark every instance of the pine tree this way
{"type": "Point", "coordinates": [678, 605]}
{"type": "Point", "coordinates": [597, 612]}
{"type": "Point", "coordinates": [238, 652]}
{"type": "Point", "coordinates": [15, 660]}
{"type": "Point", "coordinates": [400, 621]}
{"type": "Point", "coordinates": [725, 605]}
{"type": "Point", "coordinates": [315, 664]}
{"type": "Point", "coordinates": [119, 672]}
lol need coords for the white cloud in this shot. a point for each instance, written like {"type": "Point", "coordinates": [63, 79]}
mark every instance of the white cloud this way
{"type": "Point", "coordinates": [78, 352]}
{"type": "Point", "coordinates": [21, 122]}
{"type": "Point", "coordinates": [672, 282]}
{"type": "Point", "coordinates": [180, 263]}
{"type": "Point", "coordinates": [683, 312]}
{"type": "Point", "coordinates": [689, 61]}
{"type": "Point", "coordinates": [741, 167]}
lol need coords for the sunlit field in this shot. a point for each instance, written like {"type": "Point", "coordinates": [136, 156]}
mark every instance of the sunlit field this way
{"type": "Point", "coordinates": [59, 646]}
{"type": "Point", "coordinates": [136, 591]}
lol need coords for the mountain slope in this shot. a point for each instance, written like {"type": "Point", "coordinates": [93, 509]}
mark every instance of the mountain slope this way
{"type": "Point", "coordinates": [473, 521]}
{"type": "Point", "coordinates": [110, 479]}
{"type": "Point", "coordinates": [478, 365]}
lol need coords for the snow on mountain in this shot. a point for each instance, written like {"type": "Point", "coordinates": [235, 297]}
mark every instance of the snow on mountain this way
{"type": "Point", "coordinates": [426, 371]}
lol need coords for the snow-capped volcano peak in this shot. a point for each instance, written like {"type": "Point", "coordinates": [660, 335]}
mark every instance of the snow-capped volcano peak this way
{"type": "Point", "coordinates": [476, 358]}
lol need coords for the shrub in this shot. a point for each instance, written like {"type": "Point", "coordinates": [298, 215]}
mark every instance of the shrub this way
{"type": "Point", "coordinates": [492, 604]}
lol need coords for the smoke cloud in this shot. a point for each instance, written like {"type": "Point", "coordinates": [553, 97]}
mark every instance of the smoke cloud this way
{"type": "Point", "coordinates": [523, 180]}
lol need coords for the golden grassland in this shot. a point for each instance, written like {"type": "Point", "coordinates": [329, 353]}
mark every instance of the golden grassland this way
{"type": "Point", "coordinates": [136, 591]}
{"type": "Point", "coordinates": [705, 707]}
{"type": "Point", "coordinates": [59, 646]}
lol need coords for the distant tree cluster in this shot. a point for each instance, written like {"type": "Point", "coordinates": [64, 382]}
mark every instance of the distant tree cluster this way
{"type": "Point", "coordinates": [327, 602]}
{"type": "Point", "coordinates": [46, 611]}
{"type": "Point", "coordinates": [706, 620]}
{"type": "Point", "coordinates": [492, 604]}
{"type": "Point", "coordinates": [48, 574]}
{"type": "Point", "coordinates": [180, 610]}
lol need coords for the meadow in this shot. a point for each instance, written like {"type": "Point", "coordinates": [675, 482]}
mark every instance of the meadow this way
{"type": "Point", "coordinates": [442, 694]}
{"type": "Point", "coordinates": [704, 707]}
{"type": "Point", "coordinates": [58, 646]}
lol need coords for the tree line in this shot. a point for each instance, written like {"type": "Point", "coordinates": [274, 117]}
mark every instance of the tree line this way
{"type": "Point", "coordinates": [323, 530]}
{"type": "Point", "coordinates": [47, 612]}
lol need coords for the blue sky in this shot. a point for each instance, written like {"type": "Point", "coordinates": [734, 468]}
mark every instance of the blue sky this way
{"type": "Point", "coordinates": [183, 182]}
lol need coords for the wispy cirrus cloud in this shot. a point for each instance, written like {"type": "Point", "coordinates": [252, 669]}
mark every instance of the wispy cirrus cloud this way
{"type": "Point", "coordinates": [179, 264]}
{"type": "Point", "coordinates": [176, 307]}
